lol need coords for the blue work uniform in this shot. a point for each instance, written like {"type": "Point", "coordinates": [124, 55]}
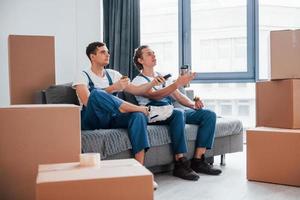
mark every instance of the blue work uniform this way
{"type": "Point", "coordinates": [102, 112]}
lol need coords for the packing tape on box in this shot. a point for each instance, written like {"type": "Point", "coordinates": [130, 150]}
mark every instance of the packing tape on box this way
{"type": "Point", "coordinates": [89, 159]}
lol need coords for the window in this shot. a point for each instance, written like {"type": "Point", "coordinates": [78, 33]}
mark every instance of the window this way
{"type": "Point", "coordinates": [159, 30]}
{"type": "Point", "coordinates": [233, 100]}
{"type": "Point", "coordinates": [244, 110]}
{"type": "Point", "coordinates": [226, 109]}
{"type": "Point", "coordinates": [219, 41]}
{"type": "Point", "coordinates": [214, 37]}
{"type": "Point", "coordinates": [211, 36]}
{"type": "Point", "coordinates": [210, 105]}
{"type": "Point", "coordinates": [274, 15]}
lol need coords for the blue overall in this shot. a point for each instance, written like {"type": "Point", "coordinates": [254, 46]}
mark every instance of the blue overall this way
{"type": "Point", "coordinates": [102, 112]}
{"type": "Point", "coordinates": [205, 119]}
{"type": "Point", "coordinates": [175, 121]}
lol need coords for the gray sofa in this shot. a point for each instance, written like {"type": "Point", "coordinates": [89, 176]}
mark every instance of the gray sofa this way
{"type": "Point", "coordinates": [115, 144]}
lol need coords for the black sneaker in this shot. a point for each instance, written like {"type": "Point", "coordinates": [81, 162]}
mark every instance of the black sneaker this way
{"type": "Point", "coordinates": [201, 166]}
{"type": "Point", "coordinates": [183, 170]}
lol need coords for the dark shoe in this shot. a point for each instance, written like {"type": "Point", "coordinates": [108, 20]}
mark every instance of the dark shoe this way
{"type": "Point", "coordinates": [201, 166]}
{"type": "Point", "coordinates": [155, 185]}
{"type": "Point", "coordinates": [183, 170]}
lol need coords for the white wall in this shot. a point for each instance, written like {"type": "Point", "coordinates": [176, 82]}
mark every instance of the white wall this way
{"type": "Point", "coordinates": [74, 23]}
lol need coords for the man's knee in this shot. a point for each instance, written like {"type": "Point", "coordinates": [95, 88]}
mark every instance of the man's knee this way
{"type": "Point", "coordinates": [205, 116]}
{"type": "Point", "coordinates": [178, 113]}
{"type": "Point", "coordinates": [96, 93]}
{"type": "Point", "coordinates": [99, 96]}
{"type": "Point", "coordinates": [210, 114]}
{"type": "Point", "coordinates": [139, 116]}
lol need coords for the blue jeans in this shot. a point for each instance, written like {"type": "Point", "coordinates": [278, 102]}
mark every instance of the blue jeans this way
{"type": "Point", "coordinates": [176, 123]}
{"type": "Point", "coordinates": [206, 120]}
{"type": "Point", "coordinates": [102, 112]}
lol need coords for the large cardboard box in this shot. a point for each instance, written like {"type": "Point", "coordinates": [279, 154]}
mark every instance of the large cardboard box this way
{"type": "Point", "coordinates": [285, 51]}
{"type": "Point", "coordinates": [273, 155]}
{"type": "Point", "coordinates": [112, 180]}
{"type": "Point", "coordinates": [278, 103]}
{"type": "Point", "coordinates": [31, 135]}
{"type": "Point", "coordinates": [31, 66]}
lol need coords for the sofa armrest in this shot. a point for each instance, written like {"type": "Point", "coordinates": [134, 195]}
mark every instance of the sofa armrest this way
{"type": "Point", "coordinates": [61, 94]}
{"type": "Point", "coordinates": [39, 97]}
{"type": "Point", "coordinates": [57, 94]}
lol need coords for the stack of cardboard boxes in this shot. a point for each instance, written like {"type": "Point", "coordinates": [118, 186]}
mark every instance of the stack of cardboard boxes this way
{"type": "Point", "coordinates": [273, 148]}
{"type": "Point", "coordinates": [31, 135]}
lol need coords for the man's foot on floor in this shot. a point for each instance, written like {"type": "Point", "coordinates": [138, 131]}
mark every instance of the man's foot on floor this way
{"type": "Point", "coordinates": [201, 166]}
{"type": "Point", "coordinates": [183, 170]}
{"type": "Point", "coordinates": [155, 185]}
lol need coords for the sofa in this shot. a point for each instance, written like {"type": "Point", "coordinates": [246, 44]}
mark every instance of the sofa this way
{"type": "Point", "coordinates": [115, 143]}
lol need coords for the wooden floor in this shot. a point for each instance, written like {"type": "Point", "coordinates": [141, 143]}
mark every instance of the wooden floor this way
{"type": "Point", "coordinates": [230, 185]}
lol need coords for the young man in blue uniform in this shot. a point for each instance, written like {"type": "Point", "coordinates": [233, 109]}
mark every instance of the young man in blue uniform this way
{"type": "Point", "coordinates": [145, 61]}
{"type": "Point", "coordinates": [96, 87]}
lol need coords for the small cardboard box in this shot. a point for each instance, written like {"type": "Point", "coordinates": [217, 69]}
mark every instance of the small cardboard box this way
{"type": "Point", "coordinates": [113, 180]}
{"type": "Point", "coordinates": [278, 103]}
{"type": "Point", "coordinates": [285, 51]}
{"type": "Point", "coordinates": [31, 135]}
{"type": "Point", "coordinates": [273, 155]}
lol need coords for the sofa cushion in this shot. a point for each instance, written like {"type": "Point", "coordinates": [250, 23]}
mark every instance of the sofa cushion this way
{"type": "Point", "coordinates": [61, 94]}
{"type": "Point", "coordinates": [66, 94]}
{"type": "Point", "coordinates": [108, 142]}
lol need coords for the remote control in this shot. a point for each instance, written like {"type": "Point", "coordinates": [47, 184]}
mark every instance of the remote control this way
{"type": "Point", "coordinates": [167, 76]}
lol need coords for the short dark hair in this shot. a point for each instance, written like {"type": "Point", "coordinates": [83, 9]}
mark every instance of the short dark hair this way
{"type": "Point", "coordinates": [92, 48]}
{"type": "Point", "coordinates": [138, 54]}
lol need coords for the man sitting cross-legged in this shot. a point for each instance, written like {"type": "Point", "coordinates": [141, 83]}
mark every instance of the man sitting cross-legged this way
{"type": "Point", "coordinates": [96, 87]}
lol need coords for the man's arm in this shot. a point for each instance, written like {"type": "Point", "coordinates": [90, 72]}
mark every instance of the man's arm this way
{"type": "Point", "coordinates": [83, 93]}
{"type": "Point", "coordinates": [120, 85]}
{"type": "Point", "coordinates": [184, 100]}
{"type": "Point", "coordinates": [140, 90]}
{"type": "Point", "coordinates": [166, 91]}
{"type": "Point", "coordinates": [114, 88]}
{"type": "Point", "coordinates": [124, 84]}
{"type": "Point", "coordinates": [159, 94]}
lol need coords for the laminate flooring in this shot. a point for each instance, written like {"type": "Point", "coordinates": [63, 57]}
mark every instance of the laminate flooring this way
{"type": "Point", "coordinates": [232, 184]}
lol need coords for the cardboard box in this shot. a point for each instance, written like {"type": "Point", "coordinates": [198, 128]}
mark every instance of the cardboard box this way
{"type": "Point", "coordinates": [31, 135]}
{"type": "Point", "coordinates": [278, 103]}
{"type": "Point", "coordinates": [113, 180]}
{"type": "Point", "coordinates": [285, 51]}
{"type": "Point", "coordinates": [273, 155]}
{"type": "Point", "coordinates": [34, 57]}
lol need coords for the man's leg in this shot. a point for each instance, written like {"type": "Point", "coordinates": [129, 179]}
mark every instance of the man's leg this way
{"type": "Point", "coordinates": [176, 123]}
{"type": "Point", "coordinates": [206, 120]}
{"type": "Point", "coordinates": [127, 107]}
{"type": "Point", "coordinates": [136, 123]}
{"type": "Point", "coordinates": [102, 105]}
{"type": "Point", "coordinates": [99, 110]}
{"type": "Point", "coordinates": [113, 104]}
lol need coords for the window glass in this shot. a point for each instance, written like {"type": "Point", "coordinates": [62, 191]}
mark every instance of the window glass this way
{"type": "Point", "coordinates": [159, 30]}
{"type": "Point", "coordinates": [219, 35]}
{"type": "Point", "coordinates": [274, 15]}
{"type": "Point", "coordinates": [232, 100]}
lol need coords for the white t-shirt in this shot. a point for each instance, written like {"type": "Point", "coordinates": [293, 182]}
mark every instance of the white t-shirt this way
{"type": "Point", "coordinates": [138, 80]}
{"type": "Point", "coordinates": [99, 82]}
